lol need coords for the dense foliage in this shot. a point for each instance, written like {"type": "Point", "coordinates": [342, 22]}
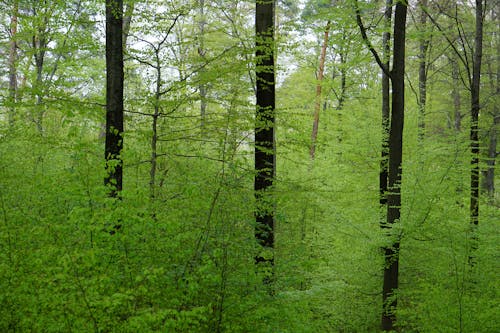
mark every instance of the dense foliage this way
{"type": "Point", "coordinates": [183, 259]}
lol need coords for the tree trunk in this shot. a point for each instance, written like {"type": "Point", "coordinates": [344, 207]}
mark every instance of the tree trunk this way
{"type": "Point", "coordinates": [201, 52]}
{"type": "Point", "coordinates": [154, 127]}
{"type": "Point", "coordinates": [456, 93]}
{"type": "Point", "coordinates": [422, 69]}
{"type": "Point", "coordinates": [317, 104]}
{"type": "Point", "coordinates": [39, 42]}
{"type": "Point", "coordinates": [386, 108]}
{"type": "Point", "coordinates": [495, 88]}
{"type": "Point", "coordinates": [391, 267]}
{"type": "Point", "coordinates": [265, 158]}
{"type": "Point", "coordinates": [12, 64]}
{"type": "Point", "coordinates": [114, 96]}
{"type": "Point", "coordinates": [474, 129]}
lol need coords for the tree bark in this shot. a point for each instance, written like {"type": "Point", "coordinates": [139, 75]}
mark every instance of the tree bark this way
{"type": "Point", "coordinates": [114, 96]}
{"type": "Point", "coordinates": [12, 64]}
{"type": "Point", "coordinates": [422, 69]}
{"type": "Point", "coordinates": [386, 107]}
{"type": "Point", "coordinates": [391, 267]}
{"type": "Point", "coordinates": [317, 104]}
{"type": "Point", "coordinates": [474, 129]}
{"type": "Point", "coordinates": [265, 158]}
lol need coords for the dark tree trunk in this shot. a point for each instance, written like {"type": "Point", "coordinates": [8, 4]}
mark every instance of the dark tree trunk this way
{"type": "Point", "coordinates": [39, 42]}
{"type": "Point", "coordinates": [265, 158]}
{"type": "Point", "coordinates": [154, 128]}
{"type": "Point", "coordinates": [12, 64]}
{"type": "Point", "coordinates": [386, 108]}
{"type": "Point", "coordinates": [319, 84]}
{"type": "Point", "coordinates": [474, 128]}
{"type": "Point", "coordinates": [114, 96]}
{"type": "Point", "coordinates": [391, 267]}
{"type": "Point", "coordinates": [422, 69]}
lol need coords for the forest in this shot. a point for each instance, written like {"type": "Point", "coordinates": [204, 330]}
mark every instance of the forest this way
{"type": "Point", "coordinates": [279, 166]}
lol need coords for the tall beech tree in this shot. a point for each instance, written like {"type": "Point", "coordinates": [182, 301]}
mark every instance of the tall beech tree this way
{"type": "Point", "coordinates": [114, 96]}
{"type": "Point", "coordinates": [265, 157]}
{"type": "Point", "coordinates": [396, 75]}
{"type": "Point", "coordinates": [391, 267]}
{"type": "Point", "coordinates": [386, 107]}
{"type": "Point", "coordinates": [474, 126]}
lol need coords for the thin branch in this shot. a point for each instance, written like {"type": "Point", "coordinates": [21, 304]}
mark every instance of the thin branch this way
{"type": "Point", "coordinates": [450, 42]}
{"type": "Point", "coordinates": [367, 41]}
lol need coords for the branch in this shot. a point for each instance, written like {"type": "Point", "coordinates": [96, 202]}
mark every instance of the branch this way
{"type": "Point", "coordinates": [367, 41]}
{"type": "Point", "coordinates": [450, 42]}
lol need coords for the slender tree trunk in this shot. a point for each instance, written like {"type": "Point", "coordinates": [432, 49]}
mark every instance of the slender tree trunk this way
{"type": "Point", "coordinates": [391, 267]}
{"type": "Point", "coordinates": [456, 94]}
{"type": "Point", "coordinates": [386, 107]}
{"type": "Point", "coordinates": [343, 89]}
{"type": "Point", "coordinates": [474, 129]}
{"type": "Point", "coordinates": [12, 64]}
{"type": "Point", "coordinates": [265, 157]}
{"type": "Point", "coordinates": [114, 96]}
{"type": "Point", "coordinates": [317, 104]}
{"type": "Point", "coordinates": [422, 69]}
{"type": "Point", "coordinates": [154, 128]}
{"type": "Point", "coordinates": [201, 52]}
{"type": "Point", "coordinates": [495, 88]}
{"type": "Point", "coordinates": [39, 42]}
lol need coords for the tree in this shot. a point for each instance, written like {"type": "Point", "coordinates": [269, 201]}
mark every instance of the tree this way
{"type": "Point", "coordinates": [391, 267]}
{"type": "Point", "coordinates": [265, 157]}
{"type": "Point", "coordinates": [317, 104]}
{"type": "Point", "coordinates": [396, 75]}
{"type": "Point", "coordinates": [422, 66]}
{"type": "Point", "coordinates": [114, 96]}
{"type": "Point", "coordinates": [475, 85]}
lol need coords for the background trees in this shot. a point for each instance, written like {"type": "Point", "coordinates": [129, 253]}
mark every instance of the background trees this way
{"type": "Point", "coordinates": [184, 260]}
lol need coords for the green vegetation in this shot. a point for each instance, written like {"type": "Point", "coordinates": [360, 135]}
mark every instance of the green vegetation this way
{"type": "Point", "coordinates": [176, 251]}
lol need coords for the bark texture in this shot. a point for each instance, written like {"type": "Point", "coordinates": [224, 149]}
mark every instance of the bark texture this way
{"type": "Point", "coordinates": [265, 158]}
{"type": "Point", "coordinates": [422, 69]}
{"type": "Point", "coordinates": [474, 128]}
{"type": "Point", "coordinates": [391, 267]}
{"type": "Point", "coordinates": [114, 96]}
{"type": "Point", "coordinates": [386, 107]}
